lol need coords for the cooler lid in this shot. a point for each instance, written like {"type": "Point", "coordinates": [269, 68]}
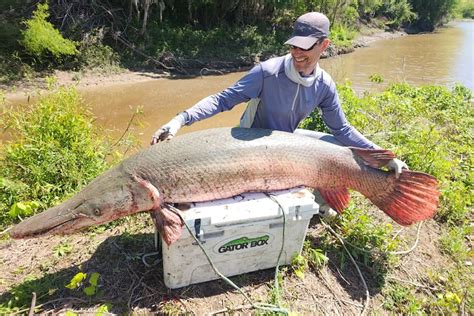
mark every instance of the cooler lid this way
{"type": "Point", "coordinates": [252, 207]}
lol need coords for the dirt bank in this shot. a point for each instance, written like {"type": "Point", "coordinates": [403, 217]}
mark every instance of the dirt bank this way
{"type": "Point", "coordinates": [94, 78]}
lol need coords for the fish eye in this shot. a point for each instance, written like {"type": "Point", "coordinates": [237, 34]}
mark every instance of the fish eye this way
{"type": "Point", "coordinates": [97, 212]}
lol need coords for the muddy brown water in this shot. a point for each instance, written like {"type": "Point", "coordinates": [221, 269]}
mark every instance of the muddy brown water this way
{"type": "Point", "coordinates": [443, 57]}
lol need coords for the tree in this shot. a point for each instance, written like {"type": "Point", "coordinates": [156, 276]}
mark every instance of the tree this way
{"type": "Point", "coordinates": [432, 12]}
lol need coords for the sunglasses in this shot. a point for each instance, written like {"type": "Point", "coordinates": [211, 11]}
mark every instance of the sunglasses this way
{"type": "Point", "coordinates": [307, 49]}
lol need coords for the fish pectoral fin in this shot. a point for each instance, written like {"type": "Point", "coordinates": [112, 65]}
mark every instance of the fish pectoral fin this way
{"type": "Point", "coordinates": [153, 192]}
{"type": "Point", "coordinates": [168, 224]}
{"type": "Point", "coordinates": [375, 158]}
{"type": "Point", "coordinates": [337, 199]}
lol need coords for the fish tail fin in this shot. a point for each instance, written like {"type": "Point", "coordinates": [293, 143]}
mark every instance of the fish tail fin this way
{"type": "Point", "coordinates": [413, 197]}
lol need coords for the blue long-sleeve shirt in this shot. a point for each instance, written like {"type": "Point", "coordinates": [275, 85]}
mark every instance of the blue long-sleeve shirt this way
{"type": "Point", "coordinates": [282, 104]}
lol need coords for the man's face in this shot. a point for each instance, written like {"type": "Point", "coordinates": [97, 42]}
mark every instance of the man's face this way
{"type": "Point", "coordinates": [305, 60]}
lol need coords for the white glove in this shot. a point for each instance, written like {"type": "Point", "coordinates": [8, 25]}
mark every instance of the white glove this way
{"type": "Point", "coordinates": [167, 131]}
{"type": "Point", "coordinates": [397, 165]}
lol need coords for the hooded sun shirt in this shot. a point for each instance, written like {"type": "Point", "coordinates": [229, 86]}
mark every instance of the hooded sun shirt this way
{"type": "Point", "coordinates": [280, 98]}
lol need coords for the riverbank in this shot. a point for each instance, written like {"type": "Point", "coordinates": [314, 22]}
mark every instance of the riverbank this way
{"type": "Point", "coordinates": [88, 79]}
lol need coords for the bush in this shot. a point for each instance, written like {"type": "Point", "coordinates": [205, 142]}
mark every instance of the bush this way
{"type": "Point", "coordinates": [54, 151]}
{"type": "Point", "coordinates": [42, 40]}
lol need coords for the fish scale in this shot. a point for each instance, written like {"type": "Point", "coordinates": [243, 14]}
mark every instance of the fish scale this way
{"type": "Point", "coordinates": [231, 162]}
{"type": "Point", "coordinates": [220, 163]}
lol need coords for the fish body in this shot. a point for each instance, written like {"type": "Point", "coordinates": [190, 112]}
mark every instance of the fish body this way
{"type": "Point", "coordinates": [224, 162]}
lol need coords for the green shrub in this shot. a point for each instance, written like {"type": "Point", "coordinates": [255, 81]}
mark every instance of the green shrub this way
{"type": "Point", "coordinates": [54, 151]}
{"type": "Point", "coordinates": [42, 40]}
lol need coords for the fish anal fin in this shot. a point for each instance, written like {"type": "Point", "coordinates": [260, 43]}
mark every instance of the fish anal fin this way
{"type": "Point", "coordinates": [375, 158]}
{"type": "Point", "coordinates": [337, 199]}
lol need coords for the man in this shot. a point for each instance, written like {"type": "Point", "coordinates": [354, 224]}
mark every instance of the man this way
{"type": "Point", "coordinates": [283, 91]}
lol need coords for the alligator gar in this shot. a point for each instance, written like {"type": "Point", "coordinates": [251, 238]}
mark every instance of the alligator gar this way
{"type": "Point", "coordinates": [224, 162]}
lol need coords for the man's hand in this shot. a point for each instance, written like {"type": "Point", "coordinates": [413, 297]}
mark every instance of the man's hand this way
{"type": "Point", "coordinates": [169, 130]}
{"type": "Point", "coordinates": [397, 165]}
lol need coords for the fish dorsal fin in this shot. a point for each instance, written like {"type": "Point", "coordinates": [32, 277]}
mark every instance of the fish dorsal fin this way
{"type": "Point", "coordinates": [338, 199]}
{"type": "Point", "coordinates": [375, 158]}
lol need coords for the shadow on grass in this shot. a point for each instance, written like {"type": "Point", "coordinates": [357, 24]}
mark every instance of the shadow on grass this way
{"type": "Point", "coordinates": [125, 282]}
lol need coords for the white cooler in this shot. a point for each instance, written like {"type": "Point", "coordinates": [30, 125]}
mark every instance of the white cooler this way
{"type": "Point", "coordinates": [240, 235]}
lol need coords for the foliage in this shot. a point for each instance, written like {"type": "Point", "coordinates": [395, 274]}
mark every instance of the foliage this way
{"type": "Point", "coordinates": [430, 128]}
{"type": "Point", "coordinates": [177, 35]}
{"type": "Point", "coordinates": [342, 36]}
{"type": "Point", "coordinates": [376, 78]}
{"type": "Point", "coordinates": [42, 40]}
{"type": "Point", "coordinates": [53, 152]}
{"type": "Point", "coordinates": [79, 281]}
{"type": "Point", "coordinates": [63, 249]}
{"type": "Point", "coordinates": [95, 55]}
{"type": "Point", "coordinates": [12, 68]}
{"type": "Point", "coordinates": [399, 12]}
{"type": "Point", "coordinates": [465, 9]}
{"type": "Point", "coordinates": [367, 240]}
{"type": "Point", "coordinates": [310, 258]}
{"type": "Point", "coordinates": [401, 300]}
{"type": "Point", "coordinates": [188, 43]}
{"type": "Point", "coordinates": [19, 296]}
{"type": "Point", "coordinates": [432, 12]}
{"type": "Point", "coordinates": [453, 242]}
{"type": "Point", "coordinates": [22, 209]}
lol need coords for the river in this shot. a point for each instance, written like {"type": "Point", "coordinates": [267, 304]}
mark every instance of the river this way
{"type": "Point", "coordinates": [443, 57]}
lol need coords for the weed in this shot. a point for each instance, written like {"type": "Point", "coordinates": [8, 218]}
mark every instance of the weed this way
{"type": "Point", "coordinates": [63, 249]}
{"type": "Point", "coordinates": [89, 285]}
{"type": "Point", "coordinates": [54, 151]}
{"type": "Point", "coordinates": [400, 299]}
{"type": "Point", "coordinates": [453, 242]}
{"type": "Point", "coordinates": [299, 263]}
{"type": "Point", "coordinates": [19, 296]}
{"type": "Point", "coordinates": [170, 307]}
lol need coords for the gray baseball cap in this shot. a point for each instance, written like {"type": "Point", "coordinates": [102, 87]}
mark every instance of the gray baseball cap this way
{"type": "Point", "coordinates": [308, 29]}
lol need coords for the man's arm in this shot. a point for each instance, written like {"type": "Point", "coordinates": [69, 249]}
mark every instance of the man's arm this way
{"type": "Point", "coordinates": [334, 118]}
{"type": "Point", "coordinates": [348, 135]}
{"type": "Point", "coordinates": [246, 88]}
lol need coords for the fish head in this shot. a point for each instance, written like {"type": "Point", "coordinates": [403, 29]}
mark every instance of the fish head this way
{"type": "Point", "coordinates": [110, 196]}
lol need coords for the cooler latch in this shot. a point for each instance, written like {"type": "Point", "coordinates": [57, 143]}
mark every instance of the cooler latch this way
{"type": "Point", "coordinates": [197, 230]}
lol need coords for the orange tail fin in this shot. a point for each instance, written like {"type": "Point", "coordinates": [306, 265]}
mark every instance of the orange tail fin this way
{"type": "Point", "coordinates": [413, 198]}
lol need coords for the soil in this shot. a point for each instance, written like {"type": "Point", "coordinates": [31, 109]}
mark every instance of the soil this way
{"type": "Point", "coordinates": [133, 287]}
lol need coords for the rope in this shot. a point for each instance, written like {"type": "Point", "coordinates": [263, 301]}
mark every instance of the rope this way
{"type": "Point", "coordinates": [262, 306]}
